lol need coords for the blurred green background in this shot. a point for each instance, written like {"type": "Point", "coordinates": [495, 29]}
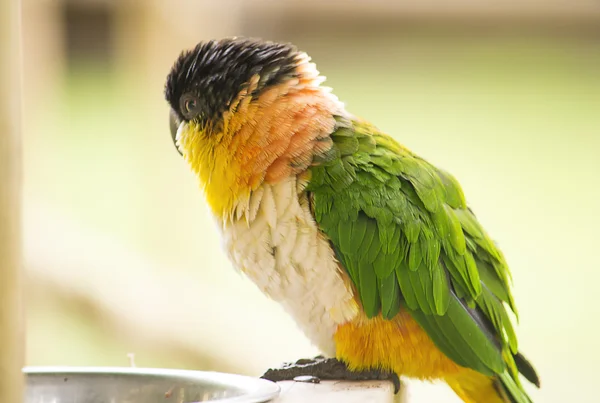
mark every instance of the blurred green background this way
{"type": "Point", "coordinates": [123, 257]}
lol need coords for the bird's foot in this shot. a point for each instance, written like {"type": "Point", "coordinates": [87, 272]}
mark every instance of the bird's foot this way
{"type": "Point", "coordinates": [321, 368]}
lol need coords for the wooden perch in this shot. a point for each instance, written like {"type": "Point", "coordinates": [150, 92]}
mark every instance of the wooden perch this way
{"type": "Point", "coordinates": [11, 334]}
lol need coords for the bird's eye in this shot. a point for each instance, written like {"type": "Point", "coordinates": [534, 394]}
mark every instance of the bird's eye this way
{"type": "Point", "coordinates": [189, 105]}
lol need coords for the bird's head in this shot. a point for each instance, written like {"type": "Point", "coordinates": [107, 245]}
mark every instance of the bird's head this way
{"type": "Point", "coordinates": [245, 111]}
{"type": "Point", "coordinates": [204, 82]}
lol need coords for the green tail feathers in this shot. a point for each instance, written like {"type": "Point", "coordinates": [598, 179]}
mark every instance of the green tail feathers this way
{"type": "Point", "coordinates": [510, 389]}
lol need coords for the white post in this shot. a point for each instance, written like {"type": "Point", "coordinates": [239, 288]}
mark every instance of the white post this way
{"type": "Point", "coordinates": [11, 319]}
{"type": "Point", "coordinates": [341, 392]}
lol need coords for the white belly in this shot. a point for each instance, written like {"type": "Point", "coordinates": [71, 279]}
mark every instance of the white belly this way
{"type": "Point", "coordinates": [275, 241]}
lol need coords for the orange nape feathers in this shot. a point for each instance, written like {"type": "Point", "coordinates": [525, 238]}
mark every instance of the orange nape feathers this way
{"type": "Point", "coordinates": [402, 346]}
{"type": "Point", "coordinates": [265, 139]}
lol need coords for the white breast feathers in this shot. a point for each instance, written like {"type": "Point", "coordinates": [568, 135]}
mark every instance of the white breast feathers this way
{"type": "Point", "coordinates": [274, 240]}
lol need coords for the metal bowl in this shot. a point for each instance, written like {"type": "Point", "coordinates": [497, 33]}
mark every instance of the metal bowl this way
{"type": "Point", "coordinates": [142, 385]}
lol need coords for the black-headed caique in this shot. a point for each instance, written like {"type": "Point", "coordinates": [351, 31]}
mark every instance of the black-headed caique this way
{"type": "Point", "coordinates": [372, 249]}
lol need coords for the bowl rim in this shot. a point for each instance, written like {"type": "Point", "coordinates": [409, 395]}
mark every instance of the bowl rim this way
{"type": "Point", "coordinates": [256, 390]}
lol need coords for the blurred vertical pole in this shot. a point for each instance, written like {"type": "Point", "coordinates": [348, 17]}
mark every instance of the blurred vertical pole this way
{"type": "Point", "coordinates": [11, 319]}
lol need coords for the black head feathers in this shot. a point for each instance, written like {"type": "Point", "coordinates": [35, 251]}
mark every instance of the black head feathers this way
{"type": "Point", "coordinates": [205, 80]}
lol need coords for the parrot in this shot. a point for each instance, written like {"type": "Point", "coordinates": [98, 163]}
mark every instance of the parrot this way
{"type": "Point", "coordinates": [371, 249]}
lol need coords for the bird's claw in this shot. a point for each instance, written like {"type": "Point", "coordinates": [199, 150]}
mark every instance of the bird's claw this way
{"type": "Point", "coordinates": [313, 370]}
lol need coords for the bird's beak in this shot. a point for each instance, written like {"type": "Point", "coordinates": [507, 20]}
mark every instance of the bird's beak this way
{"type": "Point", "coordinates": [175, 125]}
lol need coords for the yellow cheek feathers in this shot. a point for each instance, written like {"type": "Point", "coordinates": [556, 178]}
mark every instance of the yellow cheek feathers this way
{"type": "Point", "coordinates": [220, 176]}
{"type": "Point", "coordinates": [262, 140]}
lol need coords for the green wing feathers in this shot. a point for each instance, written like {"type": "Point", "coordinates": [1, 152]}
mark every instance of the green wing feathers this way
{"type": "Point", "coordinates": [402, 229]}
